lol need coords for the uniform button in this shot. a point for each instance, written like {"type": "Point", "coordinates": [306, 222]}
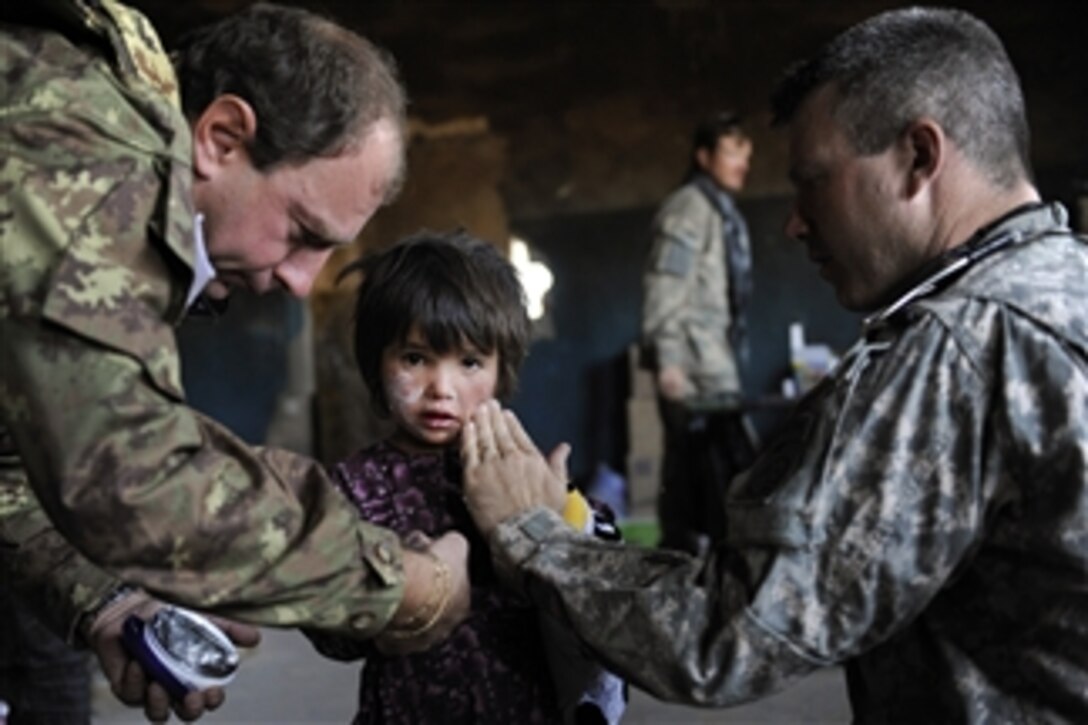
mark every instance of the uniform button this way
{"type": "Point", "coordinates": [382, 552]}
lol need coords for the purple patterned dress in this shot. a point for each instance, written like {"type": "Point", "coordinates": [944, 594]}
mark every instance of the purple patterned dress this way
{"type": "Point", "coordinates": [493, 667]}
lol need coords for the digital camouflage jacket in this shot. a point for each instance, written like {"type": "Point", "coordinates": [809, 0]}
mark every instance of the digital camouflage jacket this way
{"type": "Point", "coordinates": [922, 519]}
{"type": "Point", "coordinates": [96, 229]}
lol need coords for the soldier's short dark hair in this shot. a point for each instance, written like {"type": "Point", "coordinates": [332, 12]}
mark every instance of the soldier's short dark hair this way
{"type": "Point", "coordinates": [713, 127]}
{"type": "Point", "coordinates": [707, 133]}
{"type": "Point", "coordinates": [456, 288]}
{"type": "Point", "coordinates": [315, 86]}
{"type": "Point", "coordinates": [910, 63]}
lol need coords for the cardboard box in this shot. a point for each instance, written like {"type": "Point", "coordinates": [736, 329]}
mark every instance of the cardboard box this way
{"type": "Point", "coordinates": [645, 434]}
{"type": "Point", "coordinates": [643, 481]}
{"type": "Point", "coordinates": [642, 381]}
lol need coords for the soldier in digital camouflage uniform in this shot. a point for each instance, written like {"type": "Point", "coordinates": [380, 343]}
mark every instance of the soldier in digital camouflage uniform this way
{"type": "Point", "coordinates": [922, 517]}
{"type": "Point", "coordinates": [296, 140]}
{"type": "Point", "coordinates": [697, 281]}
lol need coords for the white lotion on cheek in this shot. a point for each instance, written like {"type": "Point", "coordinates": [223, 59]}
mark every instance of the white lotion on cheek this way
{"type": "Point", "coordinates": [403, 389]}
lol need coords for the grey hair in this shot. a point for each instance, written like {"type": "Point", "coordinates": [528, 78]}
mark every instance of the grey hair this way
{"type": "Point", "coordinates": [910, 63]}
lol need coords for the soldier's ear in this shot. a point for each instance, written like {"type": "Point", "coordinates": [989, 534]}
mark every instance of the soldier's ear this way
{"type": "Point", "coordinates": [924, 150]}
{"type": "Point", "coordinates": [220, 134]}
{"type": "Point", "coordinates": [703, 158]}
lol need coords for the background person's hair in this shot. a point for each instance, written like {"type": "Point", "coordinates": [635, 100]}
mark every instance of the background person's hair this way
{"type": "Point", "coordinates": [315, 86]}
{"type": "Point", "coordinates": [708, 131]}
{"type": "Point", "coordinates": [456, 288]}
{"type": "Point", "coordinates": [910, 63]}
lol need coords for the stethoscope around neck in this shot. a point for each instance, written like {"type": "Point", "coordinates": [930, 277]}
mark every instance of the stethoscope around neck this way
{"type": "Point", "coordinates": [963, 258]}
{"type": "Point", "coordinates": [958, 261]}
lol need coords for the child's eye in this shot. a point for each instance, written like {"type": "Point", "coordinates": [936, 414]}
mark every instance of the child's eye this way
{"type": "Point", "coordinates": [471, 361]}
{"type": "Point", "coordinates": [412, 358]}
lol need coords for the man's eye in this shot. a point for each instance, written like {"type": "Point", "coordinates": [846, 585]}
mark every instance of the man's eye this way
{"type": "Point", "coordinates": [307, 238]}
{"type": "Point", "coordinates": [318, 244]}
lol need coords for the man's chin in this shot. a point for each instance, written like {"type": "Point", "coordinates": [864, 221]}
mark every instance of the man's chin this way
{"type": "Point", "coordinates": [217, 290]}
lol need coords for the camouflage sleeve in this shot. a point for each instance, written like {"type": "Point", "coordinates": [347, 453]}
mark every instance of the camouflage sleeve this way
{"type": "Point", "coordinates": [626, 601]}
{"type": "Point", "coordinates": [331, 644]}
{"type": "Point", "coordinates": [142, 485]}
{"type": "Point", "coordinates": [165, 498]}
{"type": "Point", "coordinates": [678, 238]}
{"type": "Point", "coordinates": [36, 562]}
{"type": "Point", "coordinates": [838, 537]}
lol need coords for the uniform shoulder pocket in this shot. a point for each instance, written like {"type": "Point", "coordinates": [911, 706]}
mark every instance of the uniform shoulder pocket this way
{"type": "Point", "coordinates": [113, 284]}
{"type": "Point", "coordinates": [677, 243]}
{"type": "Point", "coordinates": [116, 308]}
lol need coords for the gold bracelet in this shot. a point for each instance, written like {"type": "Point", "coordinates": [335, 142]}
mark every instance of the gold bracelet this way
{"type": "Point", "coordinates": [439, 599]}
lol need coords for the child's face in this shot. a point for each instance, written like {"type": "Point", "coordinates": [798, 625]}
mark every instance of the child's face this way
{"type": "Point", "coordinates": [432, 396]}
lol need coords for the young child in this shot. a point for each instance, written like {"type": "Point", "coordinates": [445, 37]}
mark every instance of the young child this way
{"type": "Point", "coordinates": [441, 327]}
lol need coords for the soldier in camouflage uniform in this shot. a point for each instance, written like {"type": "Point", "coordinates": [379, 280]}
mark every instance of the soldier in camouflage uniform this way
{"type": "Point", "coordinates": [921, 519]}
{"type": "Point", "coordinates": [118, 213]}
{"type": "Point", "coordinates": [696, 284]}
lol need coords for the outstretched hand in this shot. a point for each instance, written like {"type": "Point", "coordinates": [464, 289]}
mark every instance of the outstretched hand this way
{"type": "Point", "coordinates": [505, 473]}
{"type": "Point", "coordinates": [128, 681]}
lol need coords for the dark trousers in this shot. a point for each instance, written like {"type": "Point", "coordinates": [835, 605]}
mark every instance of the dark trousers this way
{"type": "Point", "coordinates": [42, 679]}
{"type": "Point", "coordinates": [703, 451]}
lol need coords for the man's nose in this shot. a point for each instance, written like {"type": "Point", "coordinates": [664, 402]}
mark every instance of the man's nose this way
{"type": "Point", "coordinates": [298, 272]}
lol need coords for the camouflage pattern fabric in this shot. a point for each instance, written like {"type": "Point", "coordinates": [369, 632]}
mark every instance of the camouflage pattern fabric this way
{"type": "Point", "coordinates": [923, 519]}
{"type": "Point", "coordinates": [57, 582]}
{"type": "Point", "coordinates": [96, 225]}
{"type": "Point", "coordinates": [685, 310]}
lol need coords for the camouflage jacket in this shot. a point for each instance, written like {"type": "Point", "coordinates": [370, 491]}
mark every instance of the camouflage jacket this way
{"type": "Point", "coordinates": [96, 225]}
{"type": "Point", "coordinates": [923, 518]}
{"type": "Point", "coordinates": [685, 305]}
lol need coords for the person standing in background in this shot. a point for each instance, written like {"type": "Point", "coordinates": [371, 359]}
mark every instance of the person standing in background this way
{"type": "Point", "coordinates": [697, 280]}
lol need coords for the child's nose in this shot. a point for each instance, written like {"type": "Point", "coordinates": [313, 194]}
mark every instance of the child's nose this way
{"type": "Point", "coordinates": [441, 383]}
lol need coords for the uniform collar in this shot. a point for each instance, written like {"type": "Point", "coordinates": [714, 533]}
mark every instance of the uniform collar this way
{"type": "Point", "coordinates": [1023, 224]}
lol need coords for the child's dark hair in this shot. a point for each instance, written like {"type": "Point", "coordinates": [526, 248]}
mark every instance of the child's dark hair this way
{"type": "Point", "coordinates": [458, 289]}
